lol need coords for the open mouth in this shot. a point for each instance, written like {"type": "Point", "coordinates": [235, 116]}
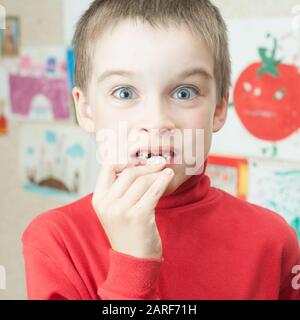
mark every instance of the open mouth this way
{"type": "Point", "coordinates": [144, 155]}
{"type": "Point", "coordinates": [141, 155]}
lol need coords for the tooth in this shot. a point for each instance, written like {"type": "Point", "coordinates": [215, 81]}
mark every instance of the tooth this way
{"type": "Point", "coordinates": [166, 156]}
{"type": "Point", "coordinates": [144, 155]}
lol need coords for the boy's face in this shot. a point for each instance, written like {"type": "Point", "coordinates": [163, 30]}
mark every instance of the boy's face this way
{"type": "Point", "coordinates": [156, 97]}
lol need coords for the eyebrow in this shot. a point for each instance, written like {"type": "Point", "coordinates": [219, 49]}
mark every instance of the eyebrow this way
{"type": "Point", "coordinates": [186, 73]}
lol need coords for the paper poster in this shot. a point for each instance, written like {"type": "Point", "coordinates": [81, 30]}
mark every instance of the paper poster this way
{"type": "Point", "coordinates": [39, 98]}
{"type": "Point", "coordinates": [264, 117]}
{"type": "Point", "coordinates": [38, 85]}
{"type": "Point", "coordinates": [10, 38]}
{"type": "Point", "coordinates": [276, 186]}
{"type": "Point", "coordinates": [57, 161]}
{"type": "Point", "coordinates": [228, 174]}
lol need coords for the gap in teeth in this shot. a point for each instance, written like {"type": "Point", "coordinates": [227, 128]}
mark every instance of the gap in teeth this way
{"type": "Point", "coordinates": [145, 155]}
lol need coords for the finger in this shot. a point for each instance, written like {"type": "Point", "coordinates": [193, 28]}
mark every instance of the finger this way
{"type": "Point", "coordinates": [152, 195]}
{"type": "Point", "coordinates": [120, 167]}
{"type": "Point", "coordinates": [128, 176]}
{"type": "Point", "coordinates": [105, 179]}
{"type": "Point", "coordinates": [138, 189]}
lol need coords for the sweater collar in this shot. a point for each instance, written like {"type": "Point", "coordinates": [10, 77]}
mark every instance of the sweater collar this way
{"type": "Point", "coordinates": [190, 191]}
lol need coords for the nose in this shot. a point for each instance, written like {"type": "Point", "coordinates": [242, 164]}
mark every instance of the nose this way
{"type": "Point", "coordinates": [156, 119]}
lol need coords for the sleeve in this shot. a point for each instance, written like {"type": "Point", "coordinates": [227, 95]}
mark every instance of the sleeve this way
{"type": "Point", "coordinates": [290, 286]}
{"type": "Point", "coordinates": [130, 278]}
{"type": "Point", "coordinates": [50, 273]}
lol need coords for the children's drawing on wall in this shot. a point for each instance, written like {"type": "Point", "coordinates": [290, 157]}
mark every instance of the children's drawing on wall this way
{"type": "Point", "coordinates": [228, 174]}
{"type": "Point", "coordinates": [54, 160]}
{"type": "Point", "coordinates": [264, 117]}
{"type": "Point", "coordinates": [10, 37]}
{"type": "Point", "coordinates": [265, 93]}
{"type": "Point", "coordinates": [276, 185]}
{"type": "Point", "coordinates": [38, 86]}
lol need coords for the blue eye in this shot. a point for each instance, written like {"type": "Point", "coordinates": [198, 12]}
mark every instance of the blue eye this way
{"type": "Point", "coordinates": [124, 93]}
{"type": "Point", "coordinates": [185, 92]}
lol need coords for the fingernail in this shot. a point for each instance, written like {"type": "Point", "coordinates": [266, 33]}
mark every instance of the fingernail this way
{"type": "Point", "coordinates": [168, 172]}
{"type": "Point", "coordinates": [156, 160]}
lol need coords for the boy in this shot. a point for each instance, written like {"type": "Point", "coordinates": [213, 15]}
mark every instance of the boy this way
{"type": "Point", "coordinates": [158, 65]}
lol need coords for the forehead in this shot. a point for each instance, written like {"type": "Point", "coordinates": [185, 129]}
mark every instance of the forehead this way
{"type": "Point", "coordinates": [134, 45]}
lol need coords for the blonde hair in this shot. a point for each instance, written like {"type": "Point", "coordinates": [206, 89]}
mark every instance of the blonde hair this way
{"type": "Point", "coordinates": [201, 16]}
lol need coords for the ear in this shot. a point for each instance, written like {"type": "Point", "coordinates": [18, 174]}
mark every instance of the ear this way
{"type": "Point", "coordinates": [84, 112]}
{"type": "Point", "coordinates": [220, 113]}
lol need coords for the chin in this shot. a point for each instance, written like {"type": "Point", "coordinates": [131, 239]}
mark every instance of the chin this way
{"type": "Point", "coordinates": [169, 190]}
{"type": "Point", "coordinates": [174, 184]}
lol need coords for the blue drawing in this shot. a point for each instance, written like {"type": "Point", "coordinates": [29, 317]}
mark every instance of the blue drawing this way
{"type": "Point", "coordinates": [286, 173]}
{"type": "Point", "coordinates": [30, 151]}
{"type": "Point", "coordinates": [51, 137]}
{"type": "Point", "coordinates": [71, 66]}
{"type": "Point", "coordinates": [75, 151]}
{"type": "Point", "coordinates": [51, 65]}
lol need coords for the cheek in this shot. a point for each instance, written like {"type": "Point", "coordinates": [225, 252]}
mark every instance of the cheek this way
{"type": "Point", "coordinates": [199, 117]}
{"type": "Point", "coordinates": [104, 115]}
{"type": "Point", "coordinates": [107, 115]}
{"type": "Point", "coordinates": [103, 118]}
{"type": "Point", "coordinates": [203, 120]}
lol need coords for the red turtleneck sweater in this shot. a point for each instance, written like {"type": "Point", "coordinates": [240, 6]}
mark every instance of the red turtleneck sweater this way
{"type": "Point", "coordinates": [215, 246]}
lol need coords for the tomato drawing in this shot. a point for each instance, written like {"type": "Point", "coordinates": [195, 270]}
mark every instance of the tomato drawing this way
{"type": "Point", "coordinates": [267, 97]}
